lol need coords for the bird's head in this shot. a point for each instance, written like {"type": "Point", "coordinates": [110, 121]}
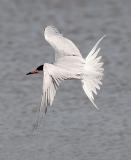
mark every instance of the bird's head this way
{"type": "Point", "coordinates": [37, 70]}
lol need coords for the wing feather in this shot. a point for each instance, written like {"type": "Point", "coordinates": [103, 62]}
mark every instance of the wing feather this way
{"type": "Point", "coordinates": [53, 76]}
{"type": "Point", "coordinates": [61, 45]}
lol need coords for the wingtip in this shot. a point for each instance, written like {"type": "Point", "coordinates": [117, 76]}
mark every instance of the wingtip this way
{"type": "Point", "coordinates": [45, 110]}
{"type": "Point", "coordinates": [104, 36]}
{"type": "Point", "coordinates": [95, 105]}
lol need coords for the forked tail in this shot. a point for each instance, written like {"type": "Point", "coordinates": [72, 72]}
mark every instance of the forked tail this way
{"type": "Point", "coordinates": [93, 72]}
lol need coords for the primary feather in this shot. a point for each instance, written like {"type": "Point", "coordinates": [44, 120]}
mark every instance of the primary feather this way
{"type": "Point", "coordinates": [61, 45]}
{"type": "Point", "coordinates": [53, 76]}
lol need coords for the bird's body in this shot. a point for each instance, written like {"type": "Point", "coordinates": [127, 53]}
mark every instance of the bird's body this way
{"type": "Point", "coordinates": [69, 64]}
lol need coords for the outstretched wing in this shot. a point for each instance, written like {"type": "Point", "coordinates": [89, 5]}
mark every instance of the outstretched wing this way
{"type": "Point", "coordinates": [53, 76]}
{"type": "Point", "coordinates": [61, 45]}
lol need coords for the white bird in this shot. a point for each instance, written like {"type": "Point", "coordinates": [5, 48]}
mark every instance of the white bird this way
{"type": "Point", "coordinates": [69, 64]}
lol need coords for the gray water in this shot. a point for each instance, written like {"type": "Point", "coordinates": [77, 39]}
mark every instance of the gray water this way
{"type": "Point", "coordinates": [72, 128]}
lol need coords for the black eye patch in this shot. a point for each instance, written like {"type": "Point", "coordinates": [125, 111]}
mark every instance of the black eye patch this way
{"type": "Point", "coordinates": [40, 68]}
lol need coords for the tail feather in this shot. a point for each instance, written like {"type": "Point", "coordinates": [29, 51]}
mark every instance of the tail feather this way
{"type": "Point", "coordinates": [93, 73]}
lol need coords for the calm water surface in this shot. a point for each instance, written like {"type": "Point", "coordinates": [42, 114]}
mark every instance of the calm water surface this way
{"type": "Point", "coordinates": [72, 128]}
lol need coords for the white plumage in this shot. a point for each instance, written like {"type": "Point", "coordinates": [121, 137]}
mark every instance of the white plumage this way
{"type": "Point", "coordinates": [69, 64]}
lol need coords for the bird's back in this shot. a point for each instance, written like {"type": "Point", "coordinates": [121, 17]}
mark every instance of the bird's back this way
{"type": "Point", "coordinates": [73, 64]}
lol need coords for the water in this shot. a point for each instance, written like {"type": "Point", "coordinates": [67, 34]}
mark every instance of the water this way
{"type": "Point", "coordinates": [72, 128]}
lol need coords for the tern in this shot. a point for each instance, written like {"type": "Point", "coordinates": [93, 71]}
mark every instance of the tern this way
{"type": "Point", "coordinates": [69, 64]}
